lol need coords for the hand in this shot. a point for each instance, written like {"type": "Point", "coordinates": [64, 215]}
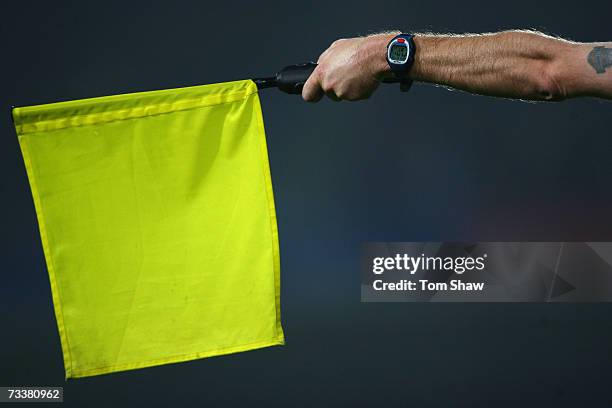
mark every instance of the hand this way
{"type": "Point", "coordinates": [350, 69]}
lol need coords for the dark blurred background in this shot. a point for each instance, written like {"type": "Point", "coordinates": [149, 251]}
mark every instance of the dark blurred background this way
{"type": "Point", "coordinates": [466, 168]}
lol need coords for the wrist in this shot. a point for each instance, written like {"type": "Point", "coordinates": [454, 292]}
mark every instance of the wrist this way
{"type": "Point", "coordinates": [376, 54]}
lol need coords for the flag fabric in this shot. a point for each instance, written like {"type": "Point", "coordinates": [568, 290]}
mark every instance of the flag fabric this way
{"type": "Point", "coordinates": [157, 222]}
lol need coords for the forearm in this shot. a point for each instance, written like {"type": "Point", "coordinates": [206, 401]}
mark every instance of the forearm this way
{"type": "Point", "coordinates": [511, 64]}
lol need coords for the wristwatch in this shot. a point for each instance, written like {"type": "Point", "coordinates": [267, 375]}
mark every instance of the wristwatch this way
{"type": "Point", "coordinates": [400, 57]}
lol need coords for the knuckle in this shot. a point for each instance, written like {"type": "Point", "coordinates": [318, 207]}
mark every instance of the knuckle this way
{"type": "Point", "coordinates": [343, 94]}
{"type": "Point", "coordinates": [355, 95]}
{"type": "Point", "coordinates": [327, 87]}
{"type": "Point", "coordinates": [323, 55]}
{"type": "Point", "coordinates": [361, 95]}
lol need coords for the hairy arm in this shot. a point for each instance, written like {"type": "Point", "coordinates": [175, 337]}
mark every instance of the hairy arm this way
{"type": "Point", "coordinates": [513, 64]}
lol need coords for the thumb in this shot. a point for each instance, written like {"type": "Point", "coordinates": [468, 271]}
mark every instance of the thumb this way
{"type": "Point", "coordinates": [312, 91]}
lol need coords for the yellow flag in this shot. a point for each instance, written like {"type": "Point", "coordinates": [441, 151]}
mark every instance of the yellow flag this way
{"type": "Point", "coordinates": [158, 225]}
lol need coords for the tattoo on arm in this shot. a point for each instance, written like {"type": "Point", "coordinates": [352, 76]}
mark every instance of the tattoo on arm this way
{"type": "Point", "coordinates": [600, 59]}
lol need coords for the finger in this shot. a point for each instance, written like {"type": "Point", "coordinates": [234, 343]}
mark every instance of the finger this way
{"type": "Point", "coordinates": [331, 95]}
{"type": "Point", "coordinates": [312, 91]}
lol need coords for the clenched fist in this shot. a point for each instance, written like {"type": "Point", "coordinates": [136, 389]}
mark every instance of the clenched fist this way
{"type": "Point", "coordinates": [350, 69]}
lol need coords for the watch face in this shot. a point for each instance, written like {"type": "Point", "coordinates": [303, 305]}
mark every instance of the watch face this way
{"type": "Point", "coordinates": [398, 53]}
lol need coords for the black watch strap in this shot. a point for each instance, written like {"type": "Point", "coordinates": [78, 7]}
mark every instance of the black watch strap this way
{"type": "Point", "coordinates": [401, 70]}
